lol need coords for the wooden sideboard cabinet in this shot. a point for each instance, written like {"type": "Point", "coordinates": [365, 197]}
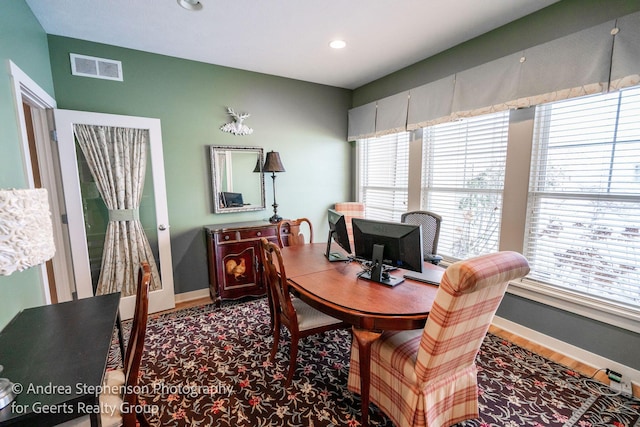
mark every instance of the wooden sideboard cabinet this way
{"type": "Point", "coordinates": [235, 267]}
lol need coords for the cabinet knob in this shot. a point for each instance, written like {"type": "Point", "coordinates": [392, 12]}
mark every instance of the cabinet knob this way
{"type": "Point", "coordinates": [162, 227]}
{"type": "Point", "coordinates": [259, 233]}
{"type": "Point", "coordinates": [226, 237]}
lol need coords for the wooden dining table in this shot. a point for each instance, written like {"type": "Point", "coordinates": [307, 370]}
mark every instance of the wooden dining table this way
{"type": "Point", "coordinates": [336, 289]}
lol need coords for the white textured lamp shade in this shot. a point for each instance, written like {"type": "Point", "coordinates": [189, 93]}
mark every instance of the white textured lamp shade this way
{"type": "Point", "coordinates": [26, 232]}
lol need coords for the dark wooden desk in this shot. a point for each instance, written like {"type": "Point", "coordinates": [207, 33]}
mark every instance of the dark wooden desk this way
{"type": "Point", "coordinates": [335, 289]}
{"type": "Point", "coordinates": [58, 354]}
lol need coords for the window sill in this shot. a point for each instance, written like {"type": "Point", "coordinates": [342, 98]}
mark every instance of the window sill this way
{"type": "Point", "coordinates": [607, 312]}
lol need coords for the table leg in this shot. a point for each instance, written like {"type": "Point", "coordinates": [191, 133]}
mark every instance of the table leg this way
{"type": "Point", "coordinates": [365, 338]}
{"type": "Point", "coordinates": [120, 336]}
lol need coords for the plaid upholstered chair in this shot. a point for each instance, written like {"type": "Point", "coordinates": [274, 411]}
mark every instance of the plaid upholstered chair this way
{"type": "Point", "coordinates": [428, 377]}
{"type": "Point", "coordinates": [350, 210]}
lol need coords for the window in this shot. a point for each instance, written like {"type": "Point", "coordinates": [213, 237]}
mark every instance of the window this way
{"type": "Point", "coordinates": [384, 174]}
{"type": "Point", "coordinates": [584, 197]}
{"type": "Point", "coordinates": [463, 180]}
{"type": "Point", "coordinates": [582, 229]}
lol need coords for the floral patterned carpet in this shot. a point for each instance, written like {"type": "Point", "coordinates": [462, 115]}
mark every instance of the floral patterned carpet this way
{"type": "Point", "coordinates": [208, 366]}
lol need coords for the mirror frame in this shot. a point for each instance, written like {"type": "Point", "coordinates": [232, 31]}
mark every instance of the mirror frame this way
{"type": "Point", "coordinates": [216, 186]}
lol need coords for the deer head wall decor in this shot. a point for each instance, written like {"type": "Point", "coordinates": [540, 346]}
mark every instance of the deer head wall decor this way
{"type": "Point", "coordinates": [237, 127]}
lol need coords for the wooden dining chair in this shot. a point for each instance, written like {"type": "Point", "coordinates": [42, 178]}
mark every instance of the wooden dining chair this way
{"type": "Point", "coordinates": [290, 232]}
{"type": "Point", "coordinates": [428, 377]}
{"type": "Point", "coordinates": [298, 317]}
{"type": "Point", "coordinates": [126, 379]}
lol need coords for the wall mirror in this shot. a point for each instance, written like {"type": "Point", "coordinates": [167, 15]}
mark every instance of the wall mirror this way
{"type": "Point", "coordinates": [237, 178]}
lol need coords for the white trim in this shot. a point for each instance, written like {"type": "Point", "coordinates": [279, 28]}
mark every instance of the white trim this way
{"type": "Point", "coordinates": [414, 190]}
{"type": "Point", "coordinates": [73, 202]}
{"type": "Point", "coordinates": [561, 347]}
{"type": "Point", "coordinates": [50, 177]}
{"type": "Point", "coordinates": [33, 91]}
{"type": "Point", "coordinates": [192, 295]}
{"type": "Point", "coordinates": [159, 300]}
{"type": "Point", "coordinates": [573, 302]}
{"type": "Point", "coordinates": [25, 90]}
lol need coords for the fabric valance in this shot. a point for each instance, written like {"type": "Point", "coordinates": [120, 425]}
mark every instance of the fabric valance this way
{"type": "Point", "coordinates": [385, 116]}
{"type": "Point", "coordinates": [625, 61]}
{"type": "Point", "coordinates": [597, 59]}
{"type": "Point", "coordinates": [430, 104]}
{"type": "Point", "coordinates": [391, 114]}
{"type": "Point", "coordinates": [362, 122]}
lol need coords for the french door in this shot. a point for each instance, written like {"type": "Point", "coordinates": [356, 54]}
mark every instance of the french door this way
{"type": "Point", "coordinates": [87, 215]}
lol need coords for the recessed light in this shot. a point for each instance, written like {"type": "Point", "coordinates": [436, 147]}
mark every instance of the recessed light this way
{"type": "Point", "coordinates": [338, 44]}
{"type": "Point", "coordinates": [190, 4]}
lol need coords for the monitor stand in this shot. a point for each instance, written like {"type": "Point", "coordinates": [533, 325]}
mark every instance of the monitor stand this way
{"type": "Point", "coordinates": [334, 256]}
{"type": "Point", "coordinates": [377, 273]}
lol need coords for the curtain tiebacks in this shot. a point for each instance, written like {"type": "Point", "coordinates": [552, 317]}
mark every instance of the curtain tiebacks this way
{"type": "Point", "coordinates": [124, 214]}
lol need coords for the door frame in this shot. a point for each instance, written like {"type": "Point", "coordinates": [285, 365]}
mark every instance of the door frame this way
{"type": "Point", "coordinates": [27, 91]}
{"type": "Point", "coordinates": [162, 299]}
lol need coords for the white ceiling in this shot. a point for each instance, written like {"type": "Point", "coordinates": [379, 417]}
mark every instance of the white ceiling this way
{"type": "Point", "coordinates": [287, 38]}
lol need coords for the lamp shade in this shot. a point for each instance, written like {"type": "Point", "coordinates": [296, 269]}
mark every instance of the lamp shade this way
{"type": "Point", "coordinates": [258, 167]}
{"type": "Point", "coordinates": [273, 163]}
{"type": "Point", "coordinates": [26, 231]}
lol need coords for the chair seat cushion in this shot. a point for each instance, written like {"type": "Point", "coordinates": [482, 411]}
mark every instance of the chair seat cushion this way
{"type": "Point", "coordinates": [309, 317]}
{"type": "Point", "coordinates": [398, 350]}
{"type": "Point", "coordinates": [111, 398]}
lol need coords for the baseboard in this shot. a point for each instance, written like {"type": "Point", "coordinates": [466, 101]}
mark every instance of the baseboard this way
{"type": "Point", "coordinates": [571, 351]}
{"type": "Point", "coordinates": [192, 295]}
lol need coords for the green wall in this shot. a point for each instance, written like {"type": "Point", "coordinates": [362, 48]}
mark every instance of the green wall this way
{"type": "Point", "coordinates": [555, 21]}
{"type": "Point", "coordinates": [23, 41]}
{"type": "Point", "coordinates": [305, 122]}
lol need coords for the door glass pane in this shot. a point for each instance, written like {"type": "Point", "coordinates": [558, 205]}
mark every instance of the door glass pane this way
{"type": "Point", "coordinates": [148, 212]}
{"type": "Point", "coordinates": [96, 215]}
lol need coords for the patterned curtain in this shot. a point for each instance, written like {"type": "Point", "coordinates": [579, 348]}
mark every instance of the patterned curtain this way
{"type": "Point", "coordinates": [117, 160]}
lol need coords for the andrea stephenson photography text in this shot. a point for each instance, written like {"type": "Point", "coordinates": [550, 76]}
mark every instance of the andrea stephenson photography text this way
{"type": "Point", "coordinates": [161, 389]}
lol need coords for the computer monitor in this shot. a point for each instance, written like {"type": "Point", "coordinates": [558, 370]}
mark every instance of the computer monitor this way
{"type": "Point", "coordinates": [337, 233]}
{"type": "Point", "coordinates": [232, 200]}
{"type": "Point", "coordinates": [387, 243]}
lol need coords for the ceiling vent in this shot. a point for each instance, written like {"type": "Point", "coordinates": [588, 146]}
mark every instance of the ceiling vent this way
{"type": "Point", "coordinates": [98, 68]}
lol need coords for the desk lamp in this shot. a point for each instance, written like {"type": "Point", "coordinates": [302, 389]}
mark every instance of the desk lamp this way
{"type": "Point", "coordinates": [273, 164]}
{"type": "Point", "coordinates": [26, 239]}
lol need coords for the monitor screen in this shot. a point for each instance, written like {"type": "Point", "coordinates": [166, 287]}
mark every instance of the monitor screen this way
{"type": "Point", "coordinates": [387, 243]}
{"type": "Point", "coordinates": [337, 233]}
{"type": "Point", "coordinates": [232, 200]}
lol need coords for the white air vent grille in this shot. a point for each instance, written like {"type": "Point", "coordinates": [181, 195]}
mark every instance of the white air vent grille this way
{"type": "Point", "coordinates": [98, 68]}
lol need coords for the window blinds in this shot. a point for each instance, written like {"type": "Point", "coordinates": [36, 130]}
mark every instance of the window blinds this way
{"type": "Point", "coordinates": [384, 171]}
{"type": "Point", "coordinates": [463, 180]}
{"type": "Point", "coordinates": [583, 216]}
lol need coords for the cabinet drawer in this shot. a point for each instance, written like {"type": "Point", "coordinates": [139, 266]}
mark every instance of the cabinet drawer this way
{"type": "Point", "coordinates": [256, 233]}
{"type": "Point", "coordinates": [227, 236]}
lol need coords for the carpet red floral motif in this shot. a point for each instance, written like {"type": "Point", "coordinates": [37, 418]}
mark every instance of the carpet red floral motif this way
{"type": "Point", "coordinates": [209, 367]}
